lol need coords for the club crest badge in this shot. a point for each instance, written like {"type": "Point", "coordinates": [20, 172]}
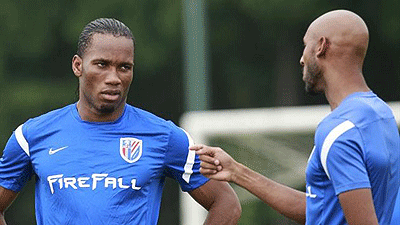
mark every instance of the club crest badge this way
{"type": "Point", "coordinates": [130, 149]}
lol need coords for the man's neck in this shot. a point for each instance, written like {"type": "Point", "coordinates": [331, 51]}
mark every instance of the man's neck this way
{"type": "Point", "coordinates": [91, 114]}
{"type": "Point", "coordinates": [340, 83]}
{"type": "Point", "coordinates": [336, 96]}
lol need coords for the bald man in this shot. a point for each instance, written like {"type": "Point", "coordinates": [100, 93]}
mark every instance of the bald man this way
{"type": "Point", "coordinates": [352, 176]}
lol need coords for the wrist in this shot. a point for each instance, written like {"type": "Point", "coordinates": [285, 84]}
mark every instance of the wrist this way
{"type": "Point", "coordinates": [237, 173]}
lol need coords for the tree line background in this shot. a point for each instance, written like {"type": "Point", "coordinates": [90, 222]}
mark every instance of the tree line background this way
{"type": "Point", "coordinates": [254, 48]}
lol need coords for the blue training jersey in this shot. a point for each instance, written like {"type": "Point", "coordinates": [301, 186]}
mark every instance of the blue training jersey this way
{"type": "Point", "coordinates": [356, 146]}
{"type": "Point", "coordinates": [396, 211]}
{"type": "Point", "coordinates": [98, 172]}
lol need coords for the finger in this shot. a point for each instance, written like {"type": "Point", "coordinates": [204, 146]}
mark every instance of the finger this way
{"type": "Point", "coordinates": [207, 172]}
{"type": "Point", "coordinates": [203, 150]}
{"type": "Point", "coordinates": [196, 147]}
{"type": "Point", "coordinates": [206, 165]}
{"type": "Point", "coordinates": [207, 158]}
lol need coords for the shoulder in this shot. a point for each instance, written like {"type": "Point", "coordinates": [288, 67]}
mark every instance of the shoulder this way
{"type": "Point", "coordinates": [330, 129]}
{"type": "Point", "coordinates": [363, 109]}
{"type": "Point", "coordinates": [45, 121]}
{"type": "Point", "coordinates": [142, 114]}
{"type": "Point", "coordinates": [360, 111]}
{"type": "Point", "coordinates": [177, 138]}
{"type": "Point", "coordinates": [148, 120]}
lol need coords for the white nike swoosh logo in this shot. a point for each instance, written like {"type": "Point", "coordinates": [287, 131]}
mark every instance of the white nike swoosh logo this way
{"type": "Point", "coordinates": [51, 151]}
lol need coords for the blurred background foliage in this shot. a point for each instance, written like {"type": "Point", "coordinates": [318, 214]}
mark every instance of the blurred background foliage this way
{"type": "Point", "coordinates": [254, 52]}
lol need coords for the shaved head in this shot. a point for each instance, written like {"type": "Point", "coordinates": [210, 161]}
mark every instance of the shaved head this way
{"type": "Point", "coordinates": [335, 47]}
{"type": "Point", "coordinates": [345, 31]}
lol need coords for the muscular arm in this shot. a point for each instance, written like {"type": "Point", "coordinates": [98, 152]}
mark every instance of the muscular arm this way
{"type": "Point", "coordinates": [358, 207]}
{"type": "Point", "coordinates": [6, 198]}
{"type": "Point", "coordinates": [287, 201]}
{"type": "Point", "coordinates": [217, 164]}
{"type": "Point", "coordinates": [220, 200]}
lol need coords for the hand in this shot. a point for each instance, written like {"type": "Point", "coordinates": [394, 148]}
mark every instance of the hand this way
{"type": "Point", "coordinates": [216, 163]}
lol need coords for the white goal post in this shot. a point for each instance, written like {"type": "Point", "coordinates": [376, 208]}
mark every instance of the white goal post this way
{"type": "Point", "coordinates": [202, 125]}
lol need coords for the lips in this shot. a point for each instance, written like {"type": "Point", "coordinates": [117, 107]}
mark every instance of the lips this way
{"type": "Point", "coordinates": [110, 95]}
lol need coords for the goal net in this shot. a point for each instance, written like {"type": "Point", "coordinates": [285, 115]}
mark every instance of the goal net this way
{"type": "Point", "coordinates": [275, 142]}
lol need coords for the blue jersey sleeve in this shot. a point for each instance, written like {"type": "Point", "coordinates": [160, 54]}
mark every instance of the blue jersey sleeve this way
{"type": "Point", "coordinates": [396, 211]}
{"type": "Point", "coordinates": [15, 165]}
{"type": "Point", "coordinates": [345, 163]}
{"type": "Point", "coordinates": [182, 164]}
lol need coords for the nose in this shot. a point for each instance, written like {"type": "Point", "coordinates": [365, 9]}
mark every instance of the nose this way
{"type": "Point", "coordinates": [302, 61]}
{"type": "Point", "coordinates": [113, 77]}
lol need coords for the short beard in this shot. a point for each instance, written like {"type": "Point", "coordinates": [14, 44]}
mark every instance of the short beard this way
{"type": "Point", "coordinates": [314, 75]}
{"type": "Point", "coordinates": [106, 109]}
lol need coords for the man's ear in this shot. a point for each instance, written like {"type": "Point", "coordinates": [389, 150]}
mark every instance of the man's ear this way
{"type": "Point", "coordinates": [323, 45]}
{"type": "Point", "coordinates": [77, 65]}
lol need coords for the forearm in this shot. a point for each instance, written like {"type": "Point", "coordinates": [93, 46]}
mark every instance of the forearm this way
{"type": "Point", "coordinates": [287, 201]}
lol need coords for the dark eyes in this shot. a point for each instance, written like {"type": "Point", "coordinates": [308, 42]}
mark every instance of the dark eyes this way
{"type": "Point", "coordinates": [123, 67]}
{"type": "Point", "coordinates": [100, 63]}
{"type": "Point", "coordinates": [126, 67]}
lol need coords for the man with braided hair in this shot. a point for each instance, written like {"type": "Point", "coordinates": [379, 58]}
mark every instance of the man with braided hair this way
{"type": "Point", "coordinates": [101, 160]}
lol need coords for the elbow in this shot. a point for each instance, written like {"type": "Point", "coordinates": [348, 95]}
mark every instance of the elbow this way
{"type": "Point", "coordinates": [234, 209]}
{"type": "Point", "coordinates": [236, 212]}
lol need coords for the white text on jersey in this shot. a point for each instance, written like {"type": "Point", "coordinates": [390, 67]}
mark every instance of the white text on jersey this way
{"type": "Point", "coordinates": [94, 181]}
{"type": "Point", "coordinates": [309, 194]}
